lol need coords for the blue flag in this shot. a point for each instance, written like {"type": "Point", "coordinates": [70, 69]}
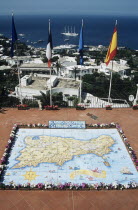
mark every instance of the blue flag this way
{"type": "Point", "coordinates": [81, 43]}
{"type": "Point", "coordinates": [14, 36]}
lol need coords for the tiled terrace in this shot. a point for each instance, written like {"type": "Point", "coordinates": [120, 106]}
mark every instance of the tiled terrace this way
{"type": "Point", "coordinates": [70, 200]}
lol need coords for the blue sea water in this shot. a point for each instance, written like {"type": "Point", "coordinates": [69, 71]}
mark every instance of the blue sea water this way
{"type": "Point", "coordinates": [97, 29]}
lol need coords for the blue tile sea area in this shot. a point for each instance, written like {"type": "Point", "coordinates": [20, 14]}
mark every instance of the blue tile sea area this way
{"type": "Point", "coordinates": [78, 156]}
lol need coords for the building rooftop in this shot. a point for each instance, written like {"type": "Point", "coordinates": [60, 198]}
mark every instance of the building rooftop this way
{"type": "Point", "coordinates": [40, 83]}
{"type": "Point", "coordinates": [116, 66]}
{"type": "Point", "coordinates": [68, 83]}
{"type": "Point", "coordinates": [34, 65]}
{"type": "Point", "coordinates": [19, 57]}
{"type": "Point", "coordinates": [5, 68]}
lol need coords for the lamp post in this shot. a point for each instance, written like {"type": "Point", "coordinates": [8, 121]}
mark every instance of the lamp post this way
{"type": "Point", "coordinates": [136, 98]}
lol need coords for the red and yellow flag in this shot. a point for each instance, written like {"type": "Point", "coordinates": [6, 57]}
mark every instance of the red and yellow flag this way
{"type": "Point", "coordinates": [112, 50]}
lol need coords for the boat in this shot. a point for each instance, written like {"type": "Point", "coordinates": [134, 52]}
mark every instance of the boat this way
{"type": "Point", "coordinates": [125, 170]}
{"type": "Point", "coordinates": [66, 46]}
{"type": "Point", "coordinates": [21, 35]}
{"type": "Point", "coordinates": [40, 41]}
{"type": "Point", "coordinates": [65, 40]}
{"type": "Point", "coordinates": [69, 32]}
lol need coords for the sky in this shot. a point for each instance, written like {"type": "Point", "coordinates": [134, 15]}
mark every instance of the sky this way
{"type": "Point", "coordinates": [69, 7]}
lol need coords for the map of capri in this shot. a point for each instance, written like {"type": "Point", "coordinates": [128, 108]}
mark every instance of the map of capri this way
{"type": "Point", "coordinates": [59, 156]}
{"type": "Point", "coordinates": [59, 150]}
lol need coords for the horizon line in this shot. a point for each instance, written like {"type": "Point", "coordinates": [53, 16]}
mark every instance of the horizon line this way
{"type": "Point", "coordinates": [52, 14]}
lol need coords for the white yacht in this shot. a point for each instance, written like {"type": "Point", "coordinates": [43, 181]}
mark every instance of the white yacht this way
{"type": "Point", "coordinates": [69, 32]}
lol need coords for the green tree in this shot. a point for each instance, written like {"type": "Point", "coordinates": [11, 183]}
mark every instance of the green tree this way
{"type": "Point", "coordinates": [44, 98]}
{"type": "Point", "coordinates": [57, 99]}
{"type": "Point", "coordinates": [75, 101]}
{"type": "Point", "coordinates": [98, 85]}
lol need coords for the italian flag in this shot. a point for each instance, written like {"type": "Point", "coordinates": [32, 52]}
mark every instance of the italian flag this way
{"type": "Point", "coordinates": [112, 50]}
{"type": "Point", "coordinates": [49, 46]}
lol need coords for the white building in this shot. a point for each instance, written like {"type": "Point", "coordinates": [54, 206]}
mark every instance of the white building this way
{"type": "Point", "coordinates": [31, 85]}
{"type": "Point", "coordinates": [39, 68]}
{"type": "Point", "coordinates": [17, 60]}
{"type": "Point", "coordinates": [78, 70]}
{"type": "Point", "coordinates": [69, 67]}
{"type": "Point", "coordinates": [67, 61]}
{"type": "Point", "coordinates": [119, 67]}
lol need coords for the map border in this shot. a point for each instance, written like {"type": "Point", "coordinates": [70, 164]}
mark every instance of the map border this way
{"type": "Point", "coordinates": [12, 140]}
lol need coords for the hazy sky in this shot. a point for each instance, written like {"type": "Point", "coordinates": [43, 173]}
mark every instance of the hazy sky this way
{"type": "Point", "coordinates": [107, 7]}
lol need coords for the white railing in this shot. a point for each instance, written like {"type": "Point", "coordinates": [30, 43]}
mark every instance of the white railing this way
{"type": "Point", "coordinates": [91, 101]}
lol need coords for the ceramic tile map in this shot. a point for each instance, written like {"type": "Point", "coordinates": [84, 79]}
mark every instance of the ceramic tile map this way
{"type": "Point", "coordinates": [67, 124]}
{"type": "Point", "coordinates": [69, 155]}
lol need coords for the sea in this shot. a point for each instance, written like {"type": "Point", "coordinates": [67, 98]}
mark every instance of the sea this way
{"type": "Point", "coordinates": [98, 29]}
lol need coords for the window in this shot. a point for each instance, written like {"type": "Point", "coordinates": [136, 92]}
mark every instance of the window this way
{"type": "Point", "coordinates": [66, 95]}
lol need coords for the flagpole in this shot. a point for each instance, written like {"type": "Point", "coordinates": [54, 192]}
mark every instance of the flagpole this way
{"type": "Point", "coordinates": [50, 89]}
{"type": "Point", "coordinates": [110, 86]}
{"type": "Point", "coordinates": [19, 78]}
{"type": "Point", "coordinates": [111, 53]}
{"type": "Point", "coordinates": [50, 75]}
{"type": "Point", "coordinates": [14, 41]}
{"type": "Point", "coordinates": [81, 72]}
{"type": "Point", "coordinates": [80, 84]}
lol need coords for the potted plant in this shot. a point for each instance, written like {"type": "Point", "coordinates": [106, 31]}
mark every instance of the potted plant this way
{"type": "Point", "coordinates": [135, 107]}
{"type": "Point", "coordinates": [108, 107]}
{"type": "Point", "coordinates": [55, 107]}
{"type": "Point", "coordinates": [51, 107]}
{"type": "Point", "coordinates": [22, 107]}
{"type": "Point", "coordinates": [80, 107]}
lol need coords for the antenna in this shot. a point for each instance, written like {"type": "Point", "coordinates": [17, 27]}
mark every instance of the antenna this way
{"type": "Point", "coordinates": [49, 25]}
{"type": "Point", "coordinates": [82, 22]}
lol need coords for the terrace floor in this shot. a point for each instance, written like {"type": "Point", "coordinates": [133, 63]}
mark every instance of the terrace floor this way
{"type": "Point", "coordinates": [70, 200]}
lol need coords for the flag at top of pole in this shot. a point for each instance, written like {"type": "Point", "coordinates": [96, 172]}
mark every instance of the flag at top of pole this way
{"type": "Point", "coordinates": [49, 46]}
{"type": "Point", "coordinates": [112, 50]}
{"type": "Point", "coordinates": [81, 43]}
{"type": "Point", "coordinates": [14, 36]}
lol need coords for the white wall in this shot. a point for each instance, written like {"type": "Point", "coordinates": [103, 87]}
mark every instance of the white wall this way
{"type": "Point", "coordinates": [69, 91]}
{"type": "Point", "coordinates": [28, 92]}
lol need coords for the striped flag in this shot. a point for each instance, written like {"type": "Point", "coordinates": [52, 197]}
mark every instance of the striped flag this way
{"type": "Point", "coordinates": [14, 36]}
{"type": "Point", "coordinates": [112, 50]}
{"type": "Point", "coordinates": [49, 46]}
{"type": "Point", "coordinates": [81, 43]}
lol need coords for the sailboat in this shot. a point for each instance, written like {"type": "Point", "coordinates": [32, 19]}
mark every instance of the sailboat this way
{"type": "Point", "coordinates": [69, 32]}
{"type": "Point", "coordinates": [125, 170]}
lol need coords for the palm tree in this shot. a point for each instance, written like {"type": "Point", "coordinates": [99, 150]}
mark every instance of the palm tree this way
{"type": "Point", "coordinates": [58, 66]}
{"type": "Point", "coordinates": [44, 98]}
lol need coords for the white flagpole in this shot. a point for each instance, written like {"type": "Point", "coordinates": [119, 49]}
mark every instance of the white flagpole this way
{"type": "Point", "coordinates": [81, 75]}
{"type": "Point", "coordinates": [50, 75]}
{"type": "Point", "coordinates": [80, 84]}
{"type": "Point", "coordinates": [18, 69]}
{"type": "Point", "coordinates": [109, 96]}
{"type": "Point", "coordinates": [50, 89]}
{"type": "Point", "coordinates": [19, 78]}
